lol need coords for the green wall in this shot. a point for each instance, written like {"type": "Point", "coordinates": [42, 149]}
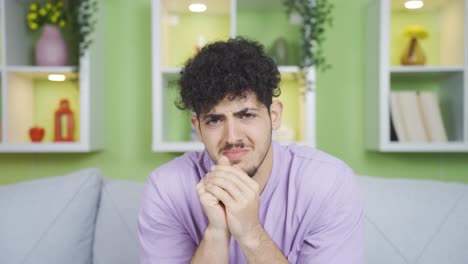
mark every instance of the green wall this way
{"type": "Point", "coordinates": [340, 108]}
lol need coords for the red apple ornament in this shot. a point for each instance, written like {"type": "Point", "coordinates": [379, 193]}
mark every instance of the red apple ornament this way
{"type": "Point", "coordinates": [36, 133]}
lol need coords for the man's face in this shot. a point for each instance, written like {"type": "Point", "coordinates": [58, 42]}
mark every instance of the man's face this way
{"type": "Point", "coordinates": [239, 129]}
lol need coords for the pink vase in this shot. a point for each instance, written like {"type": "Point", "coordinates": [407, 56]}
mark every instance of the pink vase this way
{"type": "Point", "coordinates": [51, 48]}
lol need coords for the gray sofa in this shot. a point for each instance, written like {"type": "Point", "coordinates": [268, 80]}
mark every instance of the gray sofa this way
{"type": "Point", "coordinates": [86, 218]}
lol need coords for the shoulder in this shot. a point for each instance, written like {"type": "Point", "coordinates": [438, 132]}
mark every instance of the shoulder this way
{"type": "Point", "coordinates": [314, 162]}
{"type": "Point", "coordinates": [180, 174]}
{"type": "Point", "coordinates": [317, 174]}
{"type": "Point", "coordinates": [324, 185]}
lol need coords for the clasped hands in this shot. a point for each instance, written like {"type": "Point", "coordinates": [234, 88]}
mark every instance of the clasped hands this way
{"type": "Point", "coordinates": [230, 199]}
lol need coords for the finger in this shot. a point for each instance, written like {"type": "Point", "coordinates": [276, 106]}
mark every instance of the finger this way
{"type": "Point", "coordinates": [223, 160]}
{"type": "Point", "coordinates": [229, 185]}
{"type": "Point", "coordinates": [204, 196]}
{"type": "Point", "coordinates": [220, 194]}
{"type": "Point", "coordinates": [229, 177]}
{"type": "Point", "coordinates": [200, 187]}
{"type": "Point", "coordinates": [239, 174]}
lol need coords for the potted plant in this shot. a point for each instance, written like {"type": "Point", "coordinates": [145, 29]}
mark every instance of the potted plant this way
{"type": "Point", "coordinates": [315, 18]}
{"type": "Point", "coordinates": [49, 18]}
{"type": "Point", "coordinates": [57, 20]}
{"type": "Point", "coordinates": [83, 19]}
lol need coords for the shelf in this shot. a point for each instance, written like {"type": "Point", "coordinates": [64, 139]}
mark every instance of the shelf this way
{"type": "Point", "coordinates": [425, 72]}
{"type": "Point", "coordinates": [28, 98]}
{"type": "Point", "coordinates": [39, 98]}
{"type": "Point", "coordinates": [174, 70]}
{"type": "Point", "coordinates": [426, 69]}
{"type": "Point", "coordinates": [444, 76]}
{"type": "Point", "coordinates": [71, 147]}
{"type": "Point", "coordinates": [41, 73]}
{"type": "Point", "coordinates": [425, 147]}
{"type": "Point", "coordinates": [172, 131]}
{"type": "Point", "coordinates": [288, 69]}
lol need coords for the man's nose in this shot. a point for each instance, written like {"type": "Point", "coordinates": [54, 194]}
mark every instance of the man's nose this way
{"type": "Point", "coordinates": [232, 131]}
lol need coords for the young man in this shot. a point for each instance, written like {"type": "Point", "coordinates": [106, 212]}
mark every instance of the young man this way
{"type": "Point", "coordinates": [246, 199]}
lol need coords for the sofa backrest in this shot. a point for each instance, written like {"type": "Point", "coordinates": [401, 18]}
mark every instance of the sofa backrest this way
{"type": "Point", "coordinates": [53, 220]}
{"type": "Point", "coordinates": [407, 221]}
{"type": "Point", "coordinates": [116, 238]}
{"type": "Point", "coordinates": [50, 220]}
{"type": "Point", "coordinates": [415, 221]}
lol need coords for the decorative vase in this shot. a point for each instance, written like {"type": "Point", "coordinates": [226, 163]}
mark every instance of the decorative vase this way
{"type": "Point", "coordinates": [51, 48]}
{"type": "Point", "coordinates": [279, 51]}
{"type": "Point", "coordinates": [414, 54]}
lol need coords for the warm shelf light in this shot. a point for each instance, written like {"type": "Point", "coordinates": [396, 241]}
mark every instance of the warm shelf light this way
{"type": "Point", "coordinates": [56, 77]}
{"type": "Point", "coordinates": [197, 7]}
{"type": "Point", "coordinates": [414, 4]}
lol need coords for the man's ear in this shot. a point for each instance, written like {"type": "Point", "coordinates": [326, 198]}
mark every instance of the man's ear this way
{"type": "Point", "coordinates": [276, 110]}
{"type": "Point", "coordinates": [196, 125]}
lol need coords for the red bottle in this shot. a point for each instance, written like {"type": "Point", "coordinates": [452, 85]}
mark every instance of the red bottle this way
{"type": "Point", "coordinates": [64, 122]}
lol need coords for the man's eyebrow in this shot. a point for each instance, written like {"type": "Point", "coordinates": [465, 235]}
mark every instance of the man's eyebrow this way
{"type": "Point", "coordinates": [238, 113]}
{"type": "Point", "coordinates": [244, 111]}
{"type": "Point", "coordinates": [213, 116]}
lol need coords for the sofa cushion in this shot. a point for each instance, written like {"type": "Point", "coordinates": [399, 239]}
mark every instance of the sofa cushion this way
{"type": "Point", "coordinates": [116, 238]}
{"type": "Point", "coordinates": [49, 220]}
{"type": "Point", "coordinates": [415, 221]}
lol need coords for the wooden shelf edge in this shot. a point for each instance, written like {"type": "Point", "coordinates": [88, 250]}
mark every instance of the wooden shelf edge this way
{"type": "Point", "coordinates": [73, 147]}
{"type": "Point", "coordinates": [426, 69]}
{"type": "Point", "coordinates": [424, 147]}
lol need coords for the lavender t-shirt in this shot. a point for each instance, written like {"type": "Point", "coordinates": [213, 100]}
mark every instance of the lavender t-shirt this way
{"type": "Point", "coordinates": [310, 207]}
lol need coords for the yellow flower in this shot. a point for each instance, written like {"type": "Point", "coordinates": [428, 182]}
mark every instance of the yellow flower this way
{"type": "Point", "coordinates": [42, 12]}
{"type": "Point", "coordinates": [54, 19]}
{"type": "Point", "coordinates": [33, 25]}
{"type": "Point", "coordinates": [32, 16]}
{"type": "Point", "coordinates": [62, 23]}
{"type": "Point", "coordinates": [48, 6]}
{"type": "Point", "coordinates": [59, 4]}
{"type": "Point", "coordinates": [416, 31]}
{"type": "Point", "coordinates": [33, 7]}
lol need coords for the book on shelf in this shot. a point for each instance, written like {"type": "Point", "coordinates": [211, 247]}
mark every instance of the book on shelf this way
{"type": "Point", "coordinates": [416, 117]}
{"type": "Point", "coordinates": [393, 134]}
{"type": "Point", "coordinates": [407, 117]}
{"type": "Point", "coordinates": [432, 117]}
{"type": "Point", "coordinates": [396, 118]}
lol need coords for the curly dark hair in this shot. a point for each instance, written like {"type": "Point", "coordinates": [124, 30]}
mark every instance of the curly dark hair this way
{"type": "Point", "coordinates": [230, 68]}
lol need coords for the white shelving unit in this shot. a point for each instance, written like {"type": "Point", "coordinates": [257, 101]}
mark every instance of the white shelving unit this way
{"type": "Point", "coordinates": [172, 46]}
{"type": "Point", "coordinates": [446, 70]}
{"type": "Point", "coordinates": [27, 98]}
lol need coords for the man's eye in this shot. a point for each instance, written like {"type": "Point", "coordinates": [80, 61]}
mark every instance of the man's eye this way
{"type": "Point", "coordinates": [213, 122]}
{"type": "Point", "coordinates": [248, 116]}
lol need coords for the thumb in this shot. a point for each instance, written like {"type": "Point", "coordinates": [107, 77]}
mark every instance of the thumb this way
{"type": "Point", "coordinates": [223, 160]}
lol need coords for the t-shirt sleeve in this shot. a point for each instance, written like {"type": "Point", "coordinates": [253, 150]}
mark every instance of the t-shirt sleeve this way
{"type": "Point", "coordinates": [337, 236]}
{"type": "Point", "coordinates": [162, 237]}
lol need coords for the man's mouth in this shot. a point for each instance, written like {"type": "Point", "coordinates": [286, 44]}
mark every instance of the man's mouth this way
{"type": "Point", "coordinates": [235, 153]}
